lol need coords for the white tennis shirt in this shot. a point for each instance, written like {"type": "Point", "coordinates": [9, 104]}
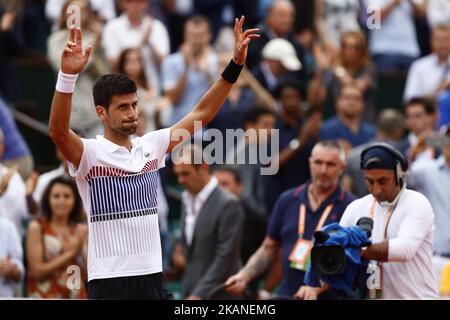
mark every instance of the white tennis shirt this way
{"type": "Point", "coordinates": [119, 192]}
{"type": "Point", "coordinates": [408, 274]}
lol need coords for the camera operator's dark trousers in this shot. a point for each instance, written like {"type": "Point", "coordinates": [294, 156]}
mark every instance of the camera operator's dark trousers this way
{"type": "Point", "coordinates": [146, 287]}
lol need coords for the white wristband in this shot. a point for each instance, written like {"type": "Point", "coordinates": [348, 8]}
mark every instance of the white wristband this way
{"type": "Point", "coordinates": [66, 82]}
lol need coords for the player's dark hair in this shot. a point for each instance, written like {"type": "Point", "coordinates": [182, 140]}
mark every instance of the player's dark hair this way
{"type": "Point", "coordinates": [111, 85]}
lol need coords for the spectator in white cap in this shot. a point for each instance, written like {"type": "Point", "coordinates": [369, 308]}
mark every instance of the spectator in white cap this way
{"type": "Point", "coordinates": [279, 61]}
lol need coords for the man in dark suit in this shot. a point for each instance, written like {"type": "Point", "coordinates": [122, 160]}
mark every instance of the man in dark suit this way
{"type": "Point", "coordinates": [211, 225]}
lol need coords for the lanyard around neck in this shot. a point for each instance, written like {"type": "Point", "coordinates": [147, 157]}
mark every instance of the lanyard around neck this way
{"type": "Point", "coordinates": [387, 219]}
{"type": "Point", "coordinates": [302, 218]}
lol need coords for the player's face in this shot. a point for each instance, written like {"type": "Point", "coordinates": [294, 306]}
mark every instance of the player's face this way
{"type": "Point", "coordinates": [381, 184]}
{"type": "Point", "coordinates": [326, 167]}
{"type": "Point", "coordinates": [122, 115]}
{"type": "Point", "coordinates": [62, 200]}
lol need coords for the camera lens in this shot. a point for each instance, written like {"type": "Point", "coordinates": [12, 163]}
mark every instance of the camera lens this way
{"type": "Point", "coordinates": [329, 260]}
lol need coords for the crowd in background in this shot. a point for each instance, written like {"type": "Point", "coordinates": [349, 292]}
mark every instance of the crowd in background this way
{"type": "Point", "coordinates": [312, 75]}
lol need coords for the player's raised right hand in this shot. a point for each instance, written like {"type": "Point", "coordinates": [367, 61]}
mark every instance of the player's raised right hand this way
{"type": "Point", "coordinates": [73, 60]}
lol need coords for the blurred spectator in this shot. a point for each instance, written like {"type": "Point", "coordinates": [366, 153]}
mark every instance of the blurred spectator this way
{"type": "Point", "coordinates": [258, 124]}
{"type": "Point", "coordinates": [29, 24]}
{"type": "Point", "coordinates": [438, 12]}
{"type": "Point", "coordinates": [352, 65]}
{"type": "Point", "coordinates": [9, 49]}
{"type": "Point", "coordinates": [218, 12]}
{"type": "Point", "coordinates": [255, 220]}
{"type": "Point", "coordinates": [104, 9]}
{"type": "Point", "coordinates": [318, 202]}
{"type": "Point", "coordinates": [348, 126]}
{"type": "Point", "coordinates": [57, 241]}
{"type": "Point", "coordinates": [333, 18]}
{"type": "Point", "coordinates": [14, 148]}
{"type": "Point", "coordinates": [394, 44]}
{"type": "Point", "coordinates": [11, 267]}
{"type": "Point", "coordinates": [421, 118]}
{"type": "Point", "coordinates": [391, 127]}
{"type": "Point", "coordinates": [136, 29]}
{"type": "Point", "coordinates": [12, 193]}
{"type": "Point", "coordinates": [297, 136]}
{"type": "Point", "coordinates": [131, 65]}
{"type": "Point", "coordinates": [178, 12]}
{"type": "Point", "coordinates": [188, 73]}
{"type": "Point", "coordinates": [428, 74]}
{"type": "Point", "coordinates": [245, 93]}
{"type": "Point", "coordinates": [279, 23]}
{"type": "Point", "coordinates": [83, 117]}
{"type": "Point", "coordinates": [428, 177]}
{"type": "Point", "coordinates": [45, 178]}
{"type": "Point", "coordinates": [211, 225]}
{"type": "Point", "coordinates": [278, 63]}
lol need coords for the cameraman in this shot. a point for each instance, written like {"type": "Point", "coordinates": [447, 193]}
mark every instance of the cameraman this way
{"type": "Point", "coordinates": [297, 214]}
{"type": "Point", "coordinates": [402, 235]}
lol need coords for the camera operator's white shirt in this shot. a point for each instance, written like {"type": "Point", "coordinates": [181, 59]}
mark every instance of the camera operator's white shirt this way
{"type": "Point", "coordinates": [408, 274]}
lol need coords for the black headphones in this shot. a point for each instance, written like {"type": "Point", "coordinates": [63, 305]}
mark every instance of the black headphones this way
{"type": "Point", "coordinates": [402, 162]}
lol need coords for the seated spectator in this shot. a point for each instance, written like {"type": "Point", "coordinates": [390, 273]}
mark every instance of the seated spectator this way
{"type": "Point", "coordinates": [428, 176]}
{"type": "Point", "coordinates": [391, 127]}
{"type": "Point", "coordinates": [82, 117]}
{"type": "Point", "coordinates": [421, 118]}
{"type": "Point", "coordinates": [333, 18]}
{"type": "Point", "coordinates": [438, 12]}
{"type": "Point", "coordinates": [258, 124]}
{"type": "Point", "coordinates": [255, 222]}
{"type": "Point", "coordinates": [15, 150]}
{"type": "Point", "coordinates": [394, 46]}
{"type": "Point", "coordinates": [297, 135]}
{"type": "Point", "coordinates": [11, 266]}
{"type": "Point", "coordinates": [12, 193]}
{"type": "Point", "coordinates": [212, 225]}
{"type": "Point", "coordinates": [352, 66]}
{"type": "Point", "coordinates": [348, 126]}
{"type": "Point", "coordinates": [188, 73]}
{"type": "Point", "coordinates": [427, 75]}
{"type": "Point", "coordinates": [55, 242]}
{"type": "Point", "coordinates": [136, 29]}
{"type": "Point", "coordinates": [104, 9]}
{"type": "Point", "coordinates": [279, 61]}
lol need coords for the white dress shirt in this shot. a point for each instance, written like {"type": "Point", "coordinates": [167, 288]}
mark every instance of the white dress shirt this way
{"type": "Point", "coordinates": [193, 205]}
{"type": "Point", "coordinates": [425, 76]}
{"type": "Point", "coordinates": [408, 274]}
